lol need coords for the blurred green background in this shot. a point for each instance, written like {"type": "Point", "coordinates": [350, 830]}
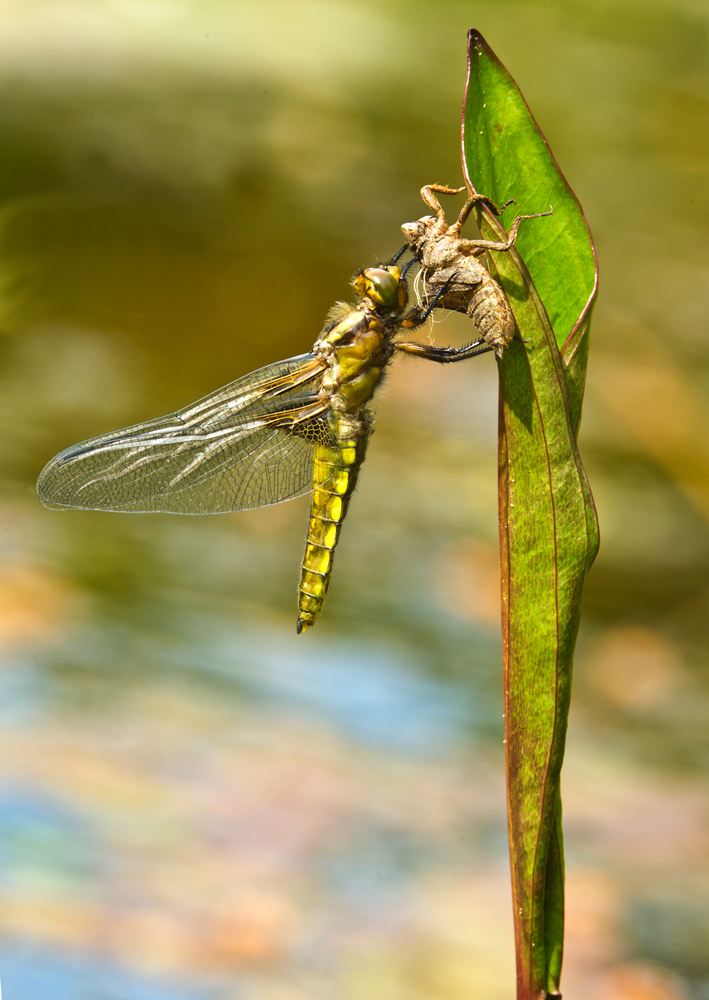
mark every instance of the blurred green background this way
{"type": "Point", "coordinates": [195, 803]}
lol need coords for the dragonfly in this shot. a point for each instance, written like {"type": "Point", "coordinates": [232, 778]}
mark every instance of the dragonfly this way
{"type": "Point", "coordinates": [298, 426]}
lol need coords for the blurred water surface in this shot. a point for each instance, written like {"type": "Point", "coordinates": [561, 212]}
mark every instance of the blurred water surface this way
{"type": "Point", "coordinates": [194, 802]}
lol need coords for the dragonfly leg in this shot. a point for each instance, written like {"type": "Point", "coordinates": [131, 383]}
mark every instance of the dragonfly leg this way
{"type": "Point", "coordinates": [509, 242]}
{"type": "Point", "coordinates": [467, 208]}
{"type": "Point", "coordinates": [444, 355]}
{"type": "Point", "coordinates": [407, 267]}
{"type": "Point", "coordinates": [397, 256]}
{"type": "Point", "coordinates": [418, 315]}
{"type": "Point", "coordinates": [430, 198]}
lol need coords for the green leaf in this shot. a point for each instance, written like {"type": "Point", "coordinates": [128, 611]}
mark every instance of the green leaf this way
{"type": "Point", "coordinates": [548, 527]}
{"type": "Point", "coordinates": [508, 156]}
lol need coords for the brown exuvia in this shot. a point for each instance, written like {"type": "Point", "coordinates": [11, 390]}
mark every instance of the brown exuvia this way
{"type": "Point", "coordinates": [452, 269]}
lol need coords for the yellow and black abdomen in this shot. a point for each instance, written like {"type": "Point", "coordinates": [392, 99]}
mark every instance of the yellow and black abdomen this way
{"type": "Point", "coordinates": [334, 478]}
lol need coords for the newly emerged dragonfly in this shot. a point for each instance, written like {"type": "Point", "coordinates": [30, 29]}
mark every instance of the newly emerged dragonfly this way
{"type": "Point", "coordinates": [294, 427]}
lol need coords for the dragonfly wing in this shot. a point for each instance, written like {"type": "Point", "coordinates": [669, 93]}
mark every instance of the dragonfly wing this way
{"type": "Point", "coordinates": [246, 445]}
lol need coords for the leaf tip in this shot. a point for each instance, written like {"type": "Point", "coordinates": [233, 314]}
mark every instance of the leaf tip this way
{"type": "Point", "coordinates": [477, 42]}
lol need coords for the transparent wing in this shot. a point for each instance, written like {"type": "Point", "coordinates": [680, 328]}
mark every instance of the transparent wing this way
{"type": "Point", "coordinates": [246, 445]}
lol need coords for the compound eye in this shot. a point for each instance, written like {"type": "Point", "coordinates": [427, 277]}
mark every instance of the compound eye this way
{"type": "Point", "coordinates": [382, 287]}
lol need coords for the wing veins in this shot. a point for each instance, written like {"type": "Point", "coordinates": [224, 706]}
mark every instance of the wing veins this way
{"type": "Point", "coordinates": [226, 452]}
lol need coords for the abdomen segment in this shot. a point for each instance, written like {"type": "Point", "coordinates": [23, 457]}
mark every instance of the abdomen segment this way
{"type": "Point", "coordinates": [334, 479]}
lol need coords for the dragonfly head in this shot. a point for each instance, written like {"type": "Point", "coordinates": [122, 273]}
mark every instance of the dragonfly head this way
{"type": "Point", "coordinates": [383, 286]}
{"type": "Point", "coordinates": [415, 233]}
{"type": "Point", "coordinates": [418, 233]}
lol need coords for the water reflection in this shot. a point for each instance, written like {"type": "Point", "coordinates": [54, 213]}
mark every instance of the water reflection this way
{"type": "Point", "coordinates": [194, 802]}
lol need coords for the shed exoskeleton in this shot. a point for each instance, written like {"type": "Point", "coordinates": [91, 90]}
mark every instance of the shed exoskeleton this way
{"type": "Point", "coordinates": [452, 268]}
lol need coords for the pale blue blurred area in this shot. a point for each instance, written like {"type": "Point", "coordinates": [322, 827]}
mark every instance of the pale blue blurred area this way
{"type": "Point", "coordinates": [372, 694]}
{"type": "Point", "coordinates": [29, 973]}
